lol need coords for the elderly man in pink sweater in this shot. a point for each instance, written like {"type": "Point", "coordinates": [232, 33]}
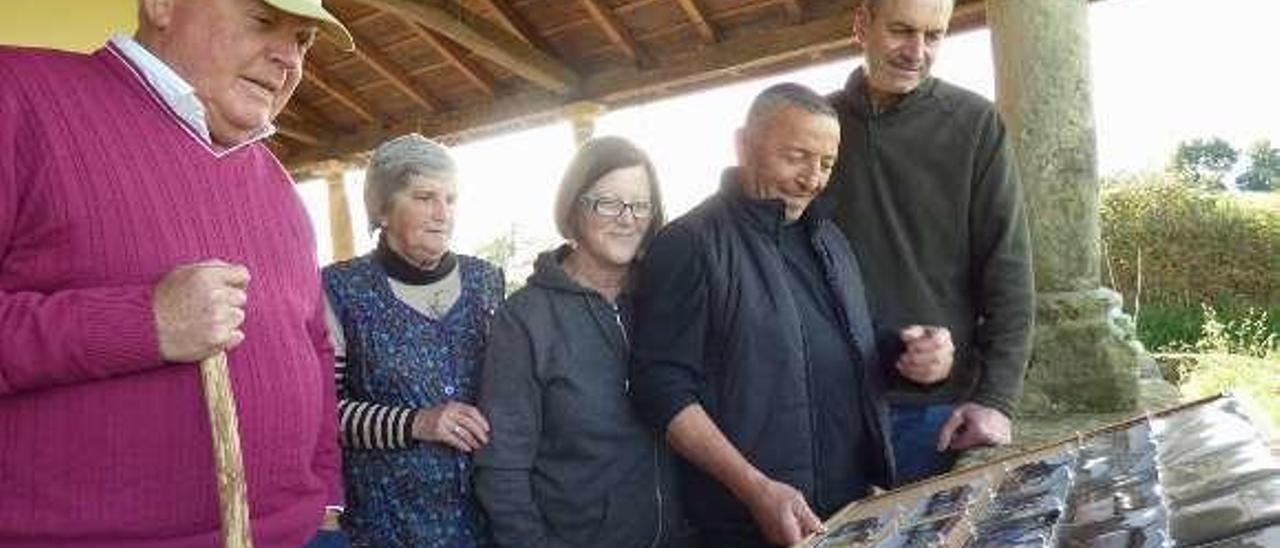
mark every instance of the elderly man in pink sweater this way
{"type": "Point", "coordinates": [144, 226]}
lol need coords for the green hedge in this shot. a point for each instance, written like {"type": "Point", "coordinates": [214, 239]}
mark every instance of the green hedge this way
{"type": "Point", "coordinates": [1195, 248]}
{"type": "Point", "coordinates": [1177, 327]}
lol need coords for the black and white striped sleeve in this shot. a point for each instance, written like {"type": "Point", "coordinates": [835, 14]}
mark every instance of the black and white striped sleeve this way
{"type": "Point", "coordinates": [363, 424]}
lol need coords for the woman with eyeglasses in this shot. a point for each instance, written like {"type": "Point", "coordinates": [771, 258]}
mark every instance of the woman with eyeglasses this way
{"type": "Point", "coordinates": [569, 463]}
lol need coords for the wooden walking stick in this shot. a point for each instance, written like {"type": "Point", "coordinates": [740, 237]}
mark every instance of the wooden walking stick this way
{"type": "Point", "coordinates": [221, 403]}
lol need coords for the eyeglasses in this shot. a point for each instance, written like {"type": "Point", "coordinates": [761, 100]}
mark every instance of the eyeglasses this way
{"type": "Point", "coordinates": [613, 207]}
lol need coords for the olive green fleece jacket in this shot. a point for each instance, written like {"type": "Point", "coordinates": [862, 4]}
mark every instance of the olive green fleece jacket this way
{"type": "Point", "coordinates": [928, 197]}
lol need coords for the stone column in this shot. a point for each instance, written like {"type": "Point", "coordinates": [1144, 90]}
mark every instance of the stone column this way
{"type": "Point", "coordinates": [583, 116]}
{"type": "Point", "coordinates": [340, 233]}
{"type": "Point", "coordinates": [1083, 360]}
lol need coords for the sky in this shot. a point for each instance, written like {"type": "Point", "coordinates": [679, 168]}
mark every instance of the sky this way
{"type": "Point", "coordinates": [1164, 71]}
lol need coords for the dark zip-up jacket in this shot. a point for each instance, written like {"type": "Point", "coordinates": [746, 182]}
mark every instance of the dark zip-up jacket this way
{"type": "Point", "coordinates": [568, 463]}
{"type": "Point", "coordinates": [717, 325]}
{"type": "Point", "coordinates": [927, 195]}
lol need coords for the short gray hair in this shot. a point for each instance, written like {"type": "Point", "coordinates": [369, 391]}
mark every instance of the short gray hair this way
{"type": "Point", "coordinates": [788, 94]}
{"type": "Point", "coordinates": [397, 162]}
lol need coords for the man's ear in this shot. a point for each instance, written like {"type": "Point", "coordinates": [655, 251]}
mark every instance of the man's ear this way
{"type": "Point", "coordinates": [861, 22]}
{"type": "Point", "coordinates": [740, 145]}
{"type": "Point", "coordinates": [156, 14]}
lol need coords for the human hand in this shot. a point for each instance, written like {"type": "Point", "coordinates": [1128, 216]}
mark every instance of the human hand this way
{"type": "Point", "coordinates": [974, 425]}
{"type": "Point", "coordinates": [455, 424]}
{"type": "Point", "coordinates": [781, 512]}
{"type": "Point", "coordinates": [198, 310]}
{"type": "Point", "coordinates": [929, 354]}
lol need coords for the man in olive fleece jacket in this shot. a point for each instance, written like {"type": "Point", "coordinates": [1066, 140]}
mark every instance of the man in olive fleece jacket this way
{"type": "Point", "coordinates": [930, 202]}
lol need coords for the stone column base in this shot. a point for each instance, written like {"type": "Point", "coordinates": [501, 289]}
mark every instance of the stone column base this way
{"type": "Point", "coordinates": [1088, 370]}
{"type": "Point", "coordinates": [1085, 357]}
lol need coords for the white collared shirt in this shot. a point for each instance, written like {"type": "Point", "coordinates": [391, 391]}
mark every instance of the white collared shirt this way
{"type": "Point", "coordinates": [174, 91]}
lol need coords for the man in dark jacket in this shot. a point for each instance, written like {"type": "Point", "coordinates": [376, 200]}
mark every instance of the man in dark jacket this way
{"type": "Point", "coordinates": [928, 199]}
{"type": "Point", "coordinates": [753, 348]}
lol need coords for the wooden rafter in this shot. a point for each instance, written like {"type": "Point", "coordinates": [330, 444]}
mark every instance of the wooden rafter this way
{"type": "Point", "coordinates": [693, 70]}
{"type": "Point", "coordinates": [486, 39]}
{"type": "Point", "coordinates": [457, 57]}
{"type": "Point", "coordinates": [694, 13]}
{"type": "Point", "coordinates": [566, 26]}
{"type": "Point", "coordinates": [358, 21]}
{"type": "Point", "coordinates": [658, 34]}
{"type": "Point", "coordinates": [338, 91]}
{"type": "Point", "coordinates": [303, 136]}
{"type": "Point", "coordinates": [297, 124]}
{"type": "Point", "coordinates": [307, 114]}
{"type": "Point", "coordinates": [794, 9]}
{"type": "Point", "coordinates": [372, 57]}
{"type": "Point", "coordinates": [509, 110]}
{"type": "Point", "coordinates": [518, 25]}
{"type": "Point", "coordinates": [750, 42]}
{"type": "Point", "coordinates": [728, 59]}
{"type": "Point", "coordinates": [612, 28]}
{"type": "Point", "coordinates": [970, 10]}
{"type": "Point", "coordinates": [626, 8]}
{"type": "Point", "coordinates": [388, 46]}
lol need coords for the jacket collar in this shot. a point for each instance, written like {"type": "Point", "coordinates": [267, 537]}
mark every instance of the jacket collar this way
{"type": "Point", "coordinates": [548, 271]}
{"type": "Point", "coordinates": [856, 93]}
{"type": "Point", "coordinates": [769, 215]}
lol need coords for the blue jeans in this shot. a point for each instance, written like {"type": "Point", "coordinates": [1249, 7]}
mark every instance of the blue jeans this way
{"type": "Point", "coordinates": [329, 539]}
{"type": "Point", "coordinates": [914, 433]}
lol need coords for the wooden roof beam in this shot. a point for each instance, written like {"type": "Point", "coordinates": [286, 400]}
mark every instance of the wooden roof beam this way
{"type": "Point", "coordinates": [794, 9]}
{"type": "Point", "coordinates": [518, 110]}
{"type": "Point", "coordinates": [694, 13]}
{"type": "Point", "coordinates": [297, 134]}
{"type": "Point", "coordinates": [298, 122]}
{"type": "Point", "coordinates": [394, 74]}
{"type": "Point", "coordinates": [612, 28]}
{"type": "Point", "coordinates": [518, 25]}
{"type": "Point", "coordinates": [308, 114]}
{"type": "Point", "coordinates": [338, 91]}
{"type": "Point", "coordinates": [485, 39]}
{"type": "Point", "coordinates": [457, 57]}
{"type": "Point", "coordinates": [730, 59]}
{"type": "Point", "coordinates": [728, 12]}
{"type": "Point", "coordinates": [616, 88]}
{"type": "Point", "coordinates": [972, 9]}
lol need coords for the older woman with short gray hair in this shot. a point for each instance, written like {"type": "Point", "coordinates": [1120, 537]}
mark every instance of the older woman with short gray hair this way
{"type": "Point", "coordinates": [409, 322]}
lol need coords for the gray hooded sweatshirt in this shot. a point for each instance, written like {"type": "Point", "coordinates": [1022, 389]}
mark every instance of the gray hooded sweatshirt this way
{"type": "Point", "coordinates": [568, 462]}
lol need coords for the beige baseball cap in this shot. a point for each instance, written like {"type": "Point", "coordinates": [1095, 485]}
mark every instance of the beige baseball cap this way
{"type": "Point", "coordinates": [312, 9]}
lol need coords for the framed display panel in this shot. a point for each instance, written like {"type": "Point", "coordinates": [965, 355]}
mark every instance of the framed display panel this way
{"type": "Point", "coordinates": [1195, 474]}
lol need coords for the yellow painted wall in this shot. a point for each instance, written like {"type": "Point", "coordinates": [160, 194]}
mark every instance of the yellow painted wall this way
{"type": "Point", "coordinates": [80, 25]}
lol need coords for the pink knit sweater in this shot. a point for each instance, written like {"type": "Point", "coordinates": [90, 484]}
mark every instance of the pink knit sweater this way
{"type": "Point", "coordinates": [102, 192]}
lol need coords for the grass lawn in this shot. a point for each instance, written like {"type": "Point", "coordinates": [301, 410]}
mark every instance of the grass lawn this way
{"type": "Point", "coordinates": [1256, 380]}
{"type": "Point", "coordinates": [1266, 201]}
